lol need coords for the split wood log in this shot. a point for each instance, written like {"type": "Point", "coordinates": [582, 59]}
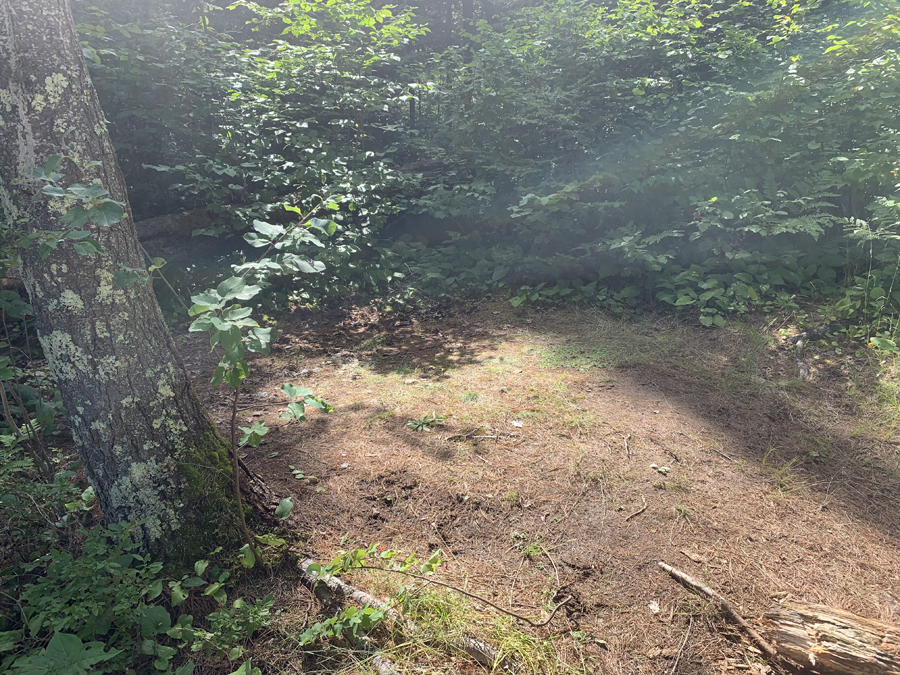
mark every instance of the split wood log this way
{"type": "Point", "coordinates": [830, 641]}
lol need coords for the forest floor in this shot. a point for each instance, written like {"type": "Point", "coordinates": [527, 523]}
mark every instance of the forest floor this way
{"type": "Point", "coordinates": [577, 451]}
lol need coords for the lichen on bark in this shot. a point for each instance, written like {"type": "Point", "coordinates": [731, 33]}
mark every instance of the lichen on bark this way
{"type": "Point", "coordinates": [149, 449]}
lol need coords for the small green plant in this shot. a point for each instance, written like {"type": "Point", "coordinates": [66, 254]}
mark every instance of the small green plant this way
{"type": "Point", "coordinates": [470, 397]}
{"type": "Point", "coordinates": [530, 547]}
{"type": "Point", "coordinates": [352, 620]}
{"type": "Point", "coordinates": [426, 422]}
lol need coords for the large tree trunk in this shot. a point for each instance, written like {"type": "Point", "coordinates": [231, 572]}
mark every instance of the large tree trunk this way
{"type": "Point", "coordinates": [149, 449]}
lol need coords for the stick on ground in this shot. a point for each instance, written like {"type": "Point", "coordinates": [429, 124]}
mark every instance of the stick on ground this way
{"type": "Point", "coordinates": [698, 586]}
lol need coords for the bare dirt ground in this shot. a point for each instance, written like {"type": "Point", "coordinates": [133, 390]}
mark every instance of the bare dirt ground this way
{"type": "Point", "coordinates": [578, 450]}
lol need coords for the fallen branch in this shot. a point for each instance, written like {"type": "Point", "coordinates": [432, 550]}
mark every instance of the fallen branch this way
{"type": "Point", "coordinates": [698, 586]}
{"type": "Point", "coordinates": [535, 624]}
{"type": "Point", "coordinates": [484, 653]}
{"type": "Point", "coordinates": [639, 511]}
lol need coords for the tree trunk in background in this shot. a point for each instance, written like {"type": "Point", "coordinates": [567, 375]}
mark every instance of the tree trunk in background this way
{"type": "Point", "coordinates": [149, 449]}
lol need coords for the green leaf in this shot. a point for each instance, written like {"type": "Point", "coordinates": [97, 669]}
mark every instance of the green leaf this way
{"type": "Point", "coordinates": [200, 567]}
{"type": "Point", "coordinates": [155, 620]}
{"type": "Point", "coordinates": [178, 595]}
{"type": "Point", "coordinates": [297, 410]}
{"type": "Point", "coordinates": [271, 540]}
{"type": "Point", "coordinates": [107, 213]}
{"type": "Point", "coordinates": [186, 669]}
{"type": "Point", "coordinates": [293, 392]}
{"type": "Point", "coordinates": [284, 509]}
{"type": "Point", "coordinates": [53, 191]}
{"type": "Point", "coordinates": [246, 558]}
{"type": "Point", "coordinates": [259, 340]}
{"type": "Point", "coordinates": [883, 343]}
{"type": "Point", "coordinates": [245, 669]}
{"type": "Point", "coordinates": [52, 165]}
{"type": "Point", "coordinates": [65, 654]}
{"type": "Point", "coordinates": [9, 639]}
{"type": "Point", "coordinates": [155, 590]}
{"type": "Point", "coordinates": [87, 247]}
{"type": "Point", "coordinates": [268, 229]}
{"type": "Point", "coordinates": [230, 288]}
{"type": "Point", "coordinates": [499, 273]}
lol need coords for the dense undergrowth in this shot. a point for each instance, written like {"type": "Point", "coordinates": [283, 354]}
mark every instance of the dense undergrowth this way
{"type": "Point", "coordinates": [713, 157]}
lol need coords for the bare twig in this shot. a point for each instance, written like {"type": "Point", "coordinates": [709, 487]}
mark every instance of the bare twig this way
{"type": "Point", "coordinates": [639, 511]}
{"type": "Point", "coordinates": [722, 454]}
{"type": "Point", "coordinates": [236, 480]}
{"type": "Point", "coordinates": [627, 449]}
{"type": "Point", "coordinates": [681, 648]}
{"type": "Point", "coordinates": [165, 281]}
{"type": "Point", "coordinates": [691, 583]}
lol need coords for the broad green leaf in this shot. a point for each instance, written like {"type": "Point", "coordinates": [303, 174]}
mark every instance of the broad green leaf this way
{"type": "Point", "coordinates": [155, 590]}
{"type": "Point", "coordinates": [883, 343]}
{"type": "Point", "coordinates": [271, 540]}
{"type": "Point", "coordinates": [154, 621]}
{"type": "Point", "coordinates": [292, 391]}
{"type": "Point", "coordinates": [186, 669]}
{"type": "Point", "coordinates": [297, 410]}
{"type": "Point", "coordinates": [9, 639]}
{"type": "Point", "coordinates": [283, 511]}
{"type": "Point", "coordinates": [178, 595]}
{"type": "Point", "coordinates": [107, 213]}
{"type": "Point", "coordinates": [87, 247]}
{"type": "Point", "coordinates": [231, 288]}
{"type": "Point", "coordinates": [259, 340]}
{"type": "Point", "coordinates": [268, 229]}
{"type": "Point", "coordinates": [53, 191]}
{"type": "Point", "coordinates": [246, 558]}
{"type": "Point", "coordinates": [245, 669]}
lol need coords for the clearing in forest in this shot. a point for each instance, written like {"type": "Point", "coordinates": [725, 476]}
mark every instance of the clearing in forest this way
{"type": "Point", "coordinates": [577, 451]}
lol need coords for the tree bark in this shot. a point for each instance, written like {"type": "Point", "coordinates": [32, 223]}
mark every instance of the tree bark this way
{"type": "Point", "coordinates": [149, 449]}
{"type": "Point", "coordinates": [830, 641]}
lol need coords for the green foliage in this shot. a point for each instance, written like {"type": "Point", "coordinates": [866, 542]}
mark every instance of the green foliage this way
{"type": "Point", "coordinates": [351, 621]}
{"type": "Point", "coordinates": [715, 159]}
{"type": "Point", "coordinates": [426, 422]}
{"type": "Point", "coordinates": [87, 601]}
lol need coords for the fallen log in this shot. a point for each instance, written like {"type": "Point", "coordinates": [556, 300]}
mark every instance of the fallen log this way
{"type": "Point", "coordinates": [829, 641]}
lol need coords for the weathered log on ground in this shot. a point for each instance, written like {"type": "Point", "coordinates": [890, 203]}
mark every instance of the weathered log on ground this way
{"type": "Point", "coordinates": [182, 224]}
{"type": "Point", "coordinates": [830, 641]}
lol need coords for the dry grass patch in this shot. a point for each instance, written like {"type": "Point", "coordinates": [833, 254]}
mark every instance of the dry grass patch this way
{"type": "Point", "coordinates": [576, 451]}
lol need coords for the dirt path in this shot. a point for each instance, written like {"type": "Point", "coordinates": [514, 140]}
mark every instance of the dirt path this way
{"type": "Point", "coordinates": [578, 451]}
